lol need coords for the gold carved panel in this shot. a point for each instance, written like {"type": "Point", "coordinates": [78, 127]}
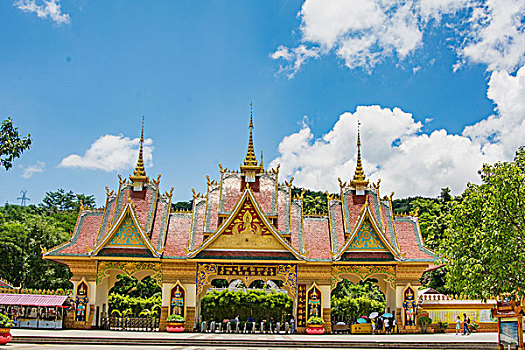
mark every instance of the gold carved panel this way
{"type": "Point", "coordinates": [247, 231]}
{"type": "Point", "coordinates": [364, 272]}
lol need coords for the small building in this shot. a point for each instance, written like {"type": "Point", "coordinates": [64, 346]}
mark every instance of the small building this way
{"type": "Point", "coordinates": [35, 310]}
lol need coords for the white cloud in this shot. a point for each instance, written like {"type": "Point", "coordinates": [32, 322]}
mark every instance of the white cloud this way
{"type": "Point", "coordinates": [497, 35]}
{"type": "Point", "coordinates": [299, 55]}
{"type": "Point", "coordinates": [110, 153]}
{"type": "Point", "coordinates": [48, 9]}
{"type": "Point", "coordinates": [365, 32]}
{"type": "Point", "coordinates": [395, 149]}
{"type": "Point", "coordinates": [31, 170]}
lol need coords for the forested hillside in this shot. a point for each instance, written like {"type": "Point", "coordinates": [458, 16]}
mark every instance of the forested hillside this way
{"type": "Point", "coordinates": [25, 231]}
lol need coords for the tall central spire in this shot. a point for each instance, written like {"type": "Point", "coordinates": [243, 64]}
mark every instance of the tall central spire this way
{"type": "Point", "coordinates": [250, 161]}
{"type": "Point", "coordinates": [139, 174]}
{"type": "Point", "coordinates": [359, 181]}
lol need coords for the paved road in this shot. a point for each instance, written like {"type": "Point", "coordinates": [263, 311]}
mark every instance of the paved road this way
{"type": "Point", "coordinates": [416, 338]}
{"type": "Point", "coordinates": [102, 347]}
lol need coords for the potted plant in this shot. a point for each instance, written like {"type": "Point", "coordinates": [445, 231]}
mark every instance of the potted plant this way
{"type": "Point", "coordinates": [314, 325]}
{"type": "Point", "coordinates": [175, 323]}
{"type": "Point", "coordinates": [5, 329]}
{"type": "Point", "coordinates": [424, 322]}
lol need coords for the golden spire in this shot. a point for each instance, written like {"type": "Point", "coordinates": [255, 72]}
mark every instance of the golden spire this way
{"type": "Point", "coordinates": [359, 179]}
{"type": "Point", "coordinates": [250, 162]}
{"type": "Point", "coordinates": [139, 174]}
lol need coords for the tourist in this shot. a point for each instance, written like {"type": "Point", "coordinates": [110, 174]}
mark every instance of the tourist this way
{"type": "Point", "coordinates": [466, 321]}
{"type": "Point", "coordinates": [379, 325]}
{"type": "Point", "coordinates": [373, 321]}
{"type": "Point", "coordinates": [458, 325]}
{"type": "Point", "coordinates": [292, 326]}
{"type": "Point", "coordinates": [394, 326]}
{"type": "Point", "coordinates": [387, 325]}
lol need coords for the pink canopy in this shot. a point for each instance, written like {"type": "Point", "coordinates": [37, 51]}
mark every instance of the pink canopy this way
{"type": "Point", "coordinates": [32, 299]}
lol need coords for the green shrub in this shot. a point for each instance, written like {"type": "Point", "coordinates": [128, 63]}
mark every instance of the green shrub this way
{"type": "Point", "coordinates": [175, 318]}
{"type": "Point", "coordinates": [228, 304]}
{"type": "Point", "coordinates": [423, 320]}
{"type": "Point", "coordinates": [314, 320]}
{"type": "Point", "coordinates": [132, 306]}
{"type": "Point", "coordinates": [6, 322]}
{"type": "Point", "coordinates": [349, 308]}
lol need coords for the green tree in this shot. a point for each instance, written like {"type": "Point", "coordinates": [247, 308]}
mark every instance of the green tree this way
{"type": "Point", "coordinates": [484, 245]}
{"type": "Point", "coordinates": [62, 200]}
{"type": "Point", "coordinates": [184, 205]}
{"type": "Point", "coordinates": [11, 144]}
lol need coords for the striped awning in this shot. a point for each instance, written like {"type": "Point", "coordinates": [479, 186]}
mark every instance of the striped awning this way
{"type": "Point", "coordinates": [32, 299]}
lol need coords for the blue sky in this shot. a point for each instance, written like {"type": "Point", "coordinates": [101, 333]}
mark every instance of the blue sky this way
{"type": "Point", "coordinates": [438, 86]}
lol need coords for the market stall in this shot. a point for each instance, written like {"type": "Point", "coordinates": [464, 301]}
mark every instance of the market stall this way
{"type": "Point", "coordinates": [35, 311]}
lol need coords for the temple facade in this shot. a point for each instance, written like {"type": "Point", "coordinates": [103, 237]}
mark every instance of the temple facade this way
{"type": "Point", "coordinates": [247, 226]}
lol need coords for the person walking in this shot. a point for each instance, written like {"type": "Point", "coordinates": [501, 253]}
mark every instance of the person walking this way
{"type": "Point", "coordinates": [394, 326]}
{"type": "Point", "coordinates": [373, 326]}
{"type": "Point", "coordinates": [466, 321]}
{"type": "Point", "coordinates": [292, 325]}
{"type": "Point", "coordinates": [387, 325]}
{"type": "Point", "coordinates": [458, 325]}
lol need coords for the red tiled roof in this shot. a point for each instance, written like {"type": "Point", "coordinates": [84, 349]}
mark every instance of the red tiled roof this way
{"type": "Point", "coordinates": [86, 236]}
{"type": "Point", "coordinates": [407, 237]}
{"type": "Point", "coordinates": [32, 299]}
{"type": "Point", "coordinates": [178, 235]}
{"type": "Point", "coordinates": [317, 240]}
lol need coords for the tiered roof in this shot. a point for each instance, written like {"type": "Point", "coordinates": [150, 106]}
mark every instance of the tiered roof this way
{"type": "Point", "coordinates": [246, 214]}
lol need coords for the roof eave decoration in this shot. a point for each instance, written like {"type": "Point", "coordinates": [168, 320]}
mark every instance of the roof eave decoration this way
{"type": "Point", "coordinates": [139, 174]}
{"type": "Point", "coordinates": [247, 194]}
{"type": "Point", "coordinates": [250, 161]}
{"type": "Point", "coordinates": [367, 214]}
{"type": "Point", "coordinates": [131, 211]}
{"type": "Point", "coordinates": [359, 180]}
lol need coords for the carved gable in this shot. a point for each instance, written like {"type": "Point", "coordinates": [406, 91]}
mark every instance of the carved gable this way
{"type": "Point", "coordinates": [367, 238]}
{"type": "Point", "coordinates": [246, 230]}
{"type": "Point", "coordinates": [127, 235]}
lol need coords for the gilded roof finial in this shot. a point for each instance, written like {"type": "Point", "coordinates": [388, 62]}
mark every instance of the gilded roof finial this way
{"type": "Point", "coordinates": [139, 174]}
{"type": "Point", "coordinates": [250, 162]}
{"type": "Point", "coordinates": [359, 174]}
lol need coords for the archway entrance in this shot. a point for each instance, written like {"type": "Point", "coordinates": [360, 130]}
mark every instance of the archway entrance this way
{"type": "Point", "coordinates": [245, 297]}
{"type": "Point", "coordinates": [376, 282]}
{"type": "Point", "coordinates": [262, 307]}
{"type": "Point", "coordinates": [128, 296]}
{"type": "Point", "coordinates": [352, 301]}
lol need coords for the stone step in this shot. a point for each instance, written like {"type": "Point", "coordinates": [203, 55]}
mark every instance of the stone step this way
{"type": "Point", "coordinates": [255, 343]}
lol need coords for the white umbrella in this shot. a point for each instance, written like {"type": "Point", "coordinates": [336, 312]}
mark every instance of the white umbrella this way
{"type": "Point", "coordinates": [374, 315]}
